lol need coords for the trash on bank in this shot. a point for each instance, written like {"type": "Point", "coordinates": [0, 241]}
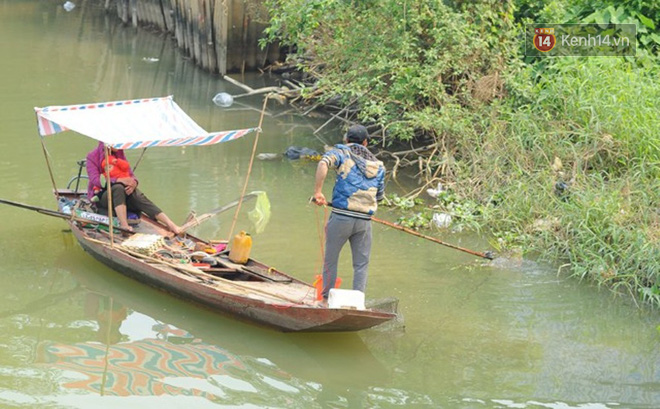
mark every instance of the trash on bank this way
{"type": "Point", "coordinates": [434, 193]}
{"type": "Point", "coordinates": [441, 220]}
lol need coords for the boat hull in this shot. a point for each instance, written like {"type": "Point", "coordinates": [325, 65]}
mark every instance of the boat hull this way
{"type": "Point", "coordinates": [287, 317]}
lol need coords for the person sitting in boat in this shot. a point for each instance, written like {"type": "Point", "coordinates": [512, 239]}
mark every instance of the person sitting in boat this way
{"type": "Point", "coordinates": [119, 168]}
{"type": "Point", "coordinates": [125, 194]}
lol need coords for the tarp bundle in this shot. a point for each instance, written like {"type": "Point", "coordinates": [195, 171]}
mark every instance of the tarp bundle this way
{"type": "Point", "coordinates": [132, 124]}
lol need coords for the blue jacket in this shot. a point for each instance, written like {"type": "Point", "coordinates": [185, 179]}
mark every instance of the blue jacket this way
{"type": "Point", "coordinates": [360, 182]}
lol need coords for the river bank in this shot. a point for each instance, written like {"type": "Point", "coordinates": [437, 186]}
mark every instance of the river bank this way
{"type": "Point", "coordinates": [558, 157]}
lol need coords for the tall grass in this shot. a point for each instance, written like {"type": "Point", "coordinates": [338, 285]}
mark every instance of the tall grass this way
{"type": "Point", "coordinates": [561, 156]}
{"type": "Point", "coordinates": [593, 125]}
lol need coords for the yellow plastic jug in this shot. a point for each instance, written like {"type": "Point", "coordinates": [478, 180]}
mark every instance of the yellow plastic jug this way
{"type": "Point", "coordinates": [240, 248]}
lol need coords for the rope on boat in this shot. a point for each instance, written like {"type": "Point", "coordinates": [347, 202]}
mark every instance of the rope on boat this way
{"type": "Point", "coordinates": [320, 227]}
{"type": "Point", "coordinates": [192, 220]}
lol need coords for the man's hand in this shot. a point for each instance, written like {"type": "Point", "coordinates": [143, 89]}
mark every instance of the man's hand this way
{"type": "Point", "coordinates": [321, 172]}
{"type": "Point", "coordinates": [319, 199]}
{"type": "Point", "coordinates": [129, 183]}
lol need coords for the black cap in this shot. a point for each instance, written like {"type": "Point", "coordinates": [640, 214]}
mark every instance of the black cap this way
{"type": "Point", "coordinates": [357, 134]}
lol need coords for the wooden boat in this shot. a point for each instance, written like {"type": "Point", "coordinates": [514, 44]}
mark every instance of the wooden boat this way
{"type": "Point", "coordinates": [254, 291]}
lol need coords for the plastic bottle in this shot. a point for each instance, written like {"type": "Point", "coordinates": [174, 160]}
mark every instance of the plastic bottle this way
{"type": "Point", "coordinates": [240, 248]}
{"type": "Point", "coordinates": [223, 100]}
{"type": "Point", "coordinates": [65, 206]}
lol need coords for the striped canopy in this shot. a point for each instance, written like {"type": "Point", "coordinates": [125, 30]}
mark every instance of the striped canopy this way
{"type": "Point", "coordinates": [132, 124]}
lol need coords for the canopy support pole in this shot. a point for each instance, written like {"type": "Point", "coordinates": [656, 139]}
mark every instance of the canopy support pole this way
{"type": "Point", "coordinates": [108, 190]}
{"type": "Point", "coordinates": [247, 177]}
{"type": "Point", "coordinates": [50, 170]}
{"type": "Point", "coordinates": [139, 159]}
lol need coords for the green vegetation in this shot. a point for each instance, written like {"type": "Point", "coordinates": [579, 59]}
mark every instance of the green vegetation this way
{"type": "Point", "coordinates": [556, 156]}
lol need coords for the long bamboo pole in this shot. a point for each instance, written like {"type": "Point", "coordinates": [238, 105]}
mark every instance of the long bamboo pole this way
{"type": "Point", "coordinates": [196, 221]}
{"type": "Point", "coordinates": [247, 177]}
{"type": "Point", "coordinates": [488, 254]}
{"type": "Point", "coordinates": [48, 212]}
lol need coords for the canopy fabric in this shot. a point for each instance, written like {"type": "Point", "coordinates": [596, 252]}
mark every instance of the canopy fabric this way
{"type": "Point", "coordinates": [132, 124]}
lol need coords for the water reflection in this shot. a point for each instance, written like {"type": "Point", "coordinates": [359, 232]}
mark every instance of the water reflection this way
{"type": "Point", "coordinates": [131, 341]}
{"type": "Point", "coordinates": [163, 362]}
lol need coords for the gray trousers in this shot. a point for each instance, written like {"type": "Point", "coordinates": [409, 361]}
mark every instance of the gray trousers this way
{"type": "Point", "coordinates": [341, 228]}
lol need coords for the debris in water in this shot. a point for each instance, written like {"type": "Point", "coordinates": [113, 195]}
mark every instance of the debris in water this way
{"type": "Point", "coordinates": [150, 59]}
{"type": "Point", "coordinates": [441, 220]}
{"type": "Point", "coordinates": [268, 156]}
{"type": "Point", "coordinates": [434, 193]}
{"type": "Point", "coordinates": [296, 152]}
{"type": "Point", "coordinates": [223, 99]}
{"type": "Point", "coordinates": [68, 6]}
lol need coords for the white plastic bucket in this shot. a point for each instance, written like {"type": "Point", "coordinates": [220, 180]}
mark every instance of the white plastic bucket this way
{"type": "Point", "coordinates": [338, 298]}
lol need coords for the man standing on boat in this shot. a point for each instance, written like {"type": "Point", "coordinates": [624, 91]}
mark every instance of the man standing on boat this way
{"type": "Point", "coordinates": [359, 186]}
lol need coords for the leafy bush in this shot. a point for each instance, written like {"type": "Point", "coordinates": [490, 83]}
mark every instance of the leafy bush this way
{"type": "Point", "coordinates": [429, 56]}
{"type": "Point", "coordinates": [561, 156]}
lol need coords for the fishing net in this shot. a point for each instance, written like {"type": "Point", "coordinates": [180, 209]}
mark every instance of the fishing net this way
{"type": "Point", "coordinates": [260, 215]}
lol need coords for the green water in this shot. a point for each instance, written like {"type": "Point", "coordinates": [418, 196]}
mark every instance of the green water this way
{"type": "Point", "coordinates": [75, 334]}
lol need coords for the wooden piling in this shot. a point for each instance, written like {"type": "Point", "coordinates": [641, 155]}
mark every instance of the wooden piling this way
{"type": "Point", "coordinates": [220, 19]}
{"type": "Point", "coordinates": [220, 36]}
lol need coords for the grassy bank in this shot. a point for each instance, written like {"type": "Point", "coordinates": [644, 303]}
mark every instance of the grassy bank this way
{"type": "Point", "coordinates": [571, 170]}
{"type": "Point", "coordinates": [560, 157]}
